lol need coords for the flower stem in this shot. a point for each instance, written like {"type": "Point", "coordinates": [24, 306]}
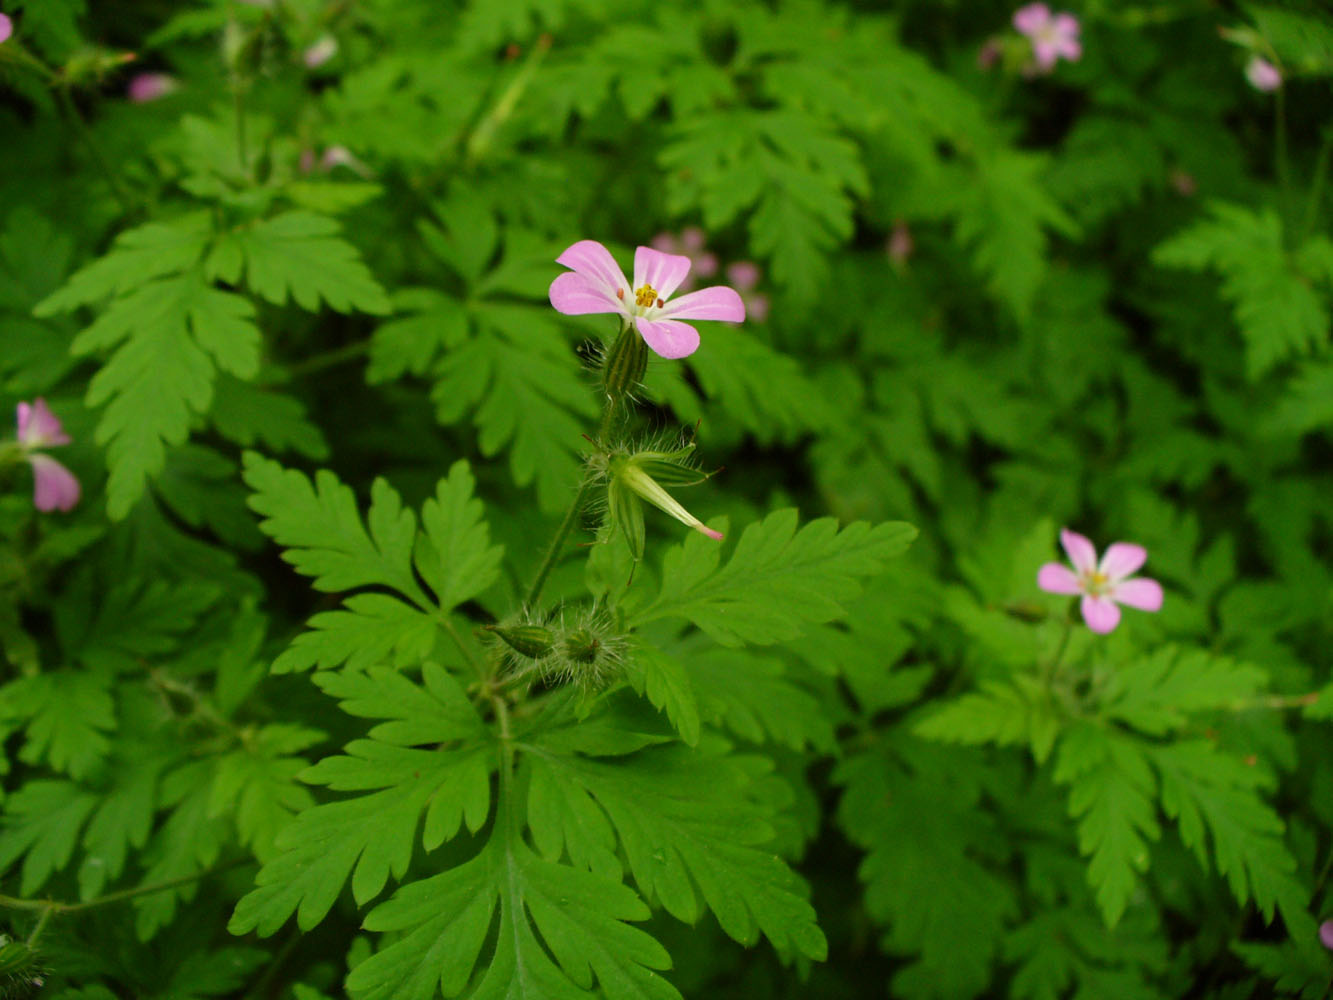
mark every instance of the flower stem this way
{"type": "Point", "coordinates": [1049, 673]}
{"type": "Point", "coordinates": [562, 532]}
{"type": "Point", "coordinates": [1317, 184]}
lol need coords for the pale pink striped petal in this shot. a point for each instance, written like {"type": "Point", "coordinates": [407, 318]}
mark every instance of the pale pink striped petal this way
{"type": "Point", "coordinates": [38, 427]}
{"type": "Point", "coordinates": [1121, 559]}
{"type": "Point", "coordinates": [663, 271]}
{"type": "Point", "coordinates": [6, 28]}
{"type": "Point", "coordinates": [54, 486]}
{"type": "Point", "coordinates": [1141, 593]}
{"type": "Point", "coordinates": [669, 338]}
{"type": "Point", "coordinates": [576, 294]}
{"type": "Point", "coordinates": [1057, 578]}
{"type": "Point", "coordinates": [590, 258]}
{"type": "Point", "coordinates": [1046, 52]}
{"type": "Point", "coordinates": [717, 302]}
{"type": "Point", "coordinates": [1065, 25]}
{"type": "Point", "coordinates": [1080, 551]}
{"type": "Point", "coordinates": [1100, 614]}
{"type": "Point", "coordinates": [1032, 18]}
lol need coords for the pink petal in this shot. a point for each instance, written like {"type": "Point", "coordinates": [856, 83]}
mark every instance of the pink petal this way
{"type": "Point", "coordinates": [6, 28]}
{"type": "Point", "coordinates": [1045, 52]}
{"type": "Point", "coordinates": [38, 427]}
{"type": "Point", "coordinates": [1080, 551]}
{"type": "Point", "coordinates": [669, 338]}
{"type": "Point", "coordinates": [1065, 24]}
{"type": "Point", "coordinates": [1326, 934]}
{"type": "Point", "coordinates": [705, 265]}
{"type": "Point", "coordinates": [692, 239]}
{"type": "Point", "coordinates": [663, 271]}
{"type": "Point", "coordinates": [704, 529]}
{"type": "Point", "coordinates": [592, 260]}
{"type": "Point", "coordinates": [1141, 593]}
{"type": "Point", "coordinates": [756, 307]}
{"type": "Point", "coordinates": [1057, 578]}
{"type": "Point", "coordinates": [1032, 18]}
{"type": "Point", "coordinates": [54, 486]}
{"type": "Point", "coordinates": [717, 302]}
{"type": "Point", "coordinates": [1122, 559]}
{"type": "Point", "coordinates": [1069, 48]}
{"type": "Point", "coordinates": [576, 294]}
{"type": "Point", "coordinates": [664, 242]}
{"type": "Point", "coordinates": [1100, 614]}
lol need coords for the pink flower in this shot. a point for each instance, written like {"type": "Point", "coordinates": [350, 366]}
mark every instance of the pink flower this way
{"type": "Point", "coordinates": [146, 87]}
{"type": "Point", "coordinates": [1326, 934]}
{"type": "Point", "coordinates": [597, 285]}
{"type": "Point", "coordinates": [321, 52]}
{"type": "Point", "coordinates": [1101, 584]}
{"type": "Point", "coordinates": [54, 486]}
{"type": "Point", "coordinates": [6, 28]}
{"type": "Point", "coordinates": [900, 244]}
{"type": "Point", "coordinates": [745, 275]}
{"type": "Point", "coordinates": [1263, 75]}
{"type": "Point", "coordinates": [690, 242]}
{"type": "Point", "coordinates": [1054, 36]}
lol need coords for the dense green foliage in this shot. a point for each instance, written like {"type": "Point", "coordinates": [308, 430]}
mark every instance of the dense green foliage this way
{"type": "Point", "coordinates": [318, 691]}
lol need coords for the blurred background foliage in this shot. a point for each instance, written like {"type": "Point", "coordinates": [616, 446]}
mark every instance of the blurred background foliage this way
{"type": "Point", "coordinates": [986, 300]}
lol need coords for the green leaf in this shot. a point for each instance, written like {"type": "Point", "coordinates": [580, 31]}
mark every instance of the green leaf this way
{"type": "Point", "coordinates": [257, 785]}
{"type": "Point", "coordinates": [407, 774]}
{"type": "Point", "coordinates": [1012, 713]}
{"type": "Point", "coordinates": [1214, 797]}
{"type": "Point", "coordinates": [369, 630]}
{"type": "Point", "coordinates": [249, 415]}
{"type": "Point", "coordinates": [777, 580]}
{"type": "Point", "coordinates": [517, 381]}
{"type": "Point", "coordinates": [170, 337]}
{"type": "Point", "coordinates": [1279, 312]}
{"type": "Point", "coordinates": [1156, 694]}
{"type": "Point", "coordinates": [123, 819]}
{"type": "Point", "coordinates": [41, 824]}
{"type": "Point", "coordinates": [454, 554]}
{"type": "Point", "coordinates": [750, 694]}
{"type": "Point", "coordinates": [136, 258]}
{"type": "Point", "coordinates": [320, 528]}
{"type": "Point", "coordinates": [694, 838]}
{"type": "Point", "coordinates": [67, 714]}
{"type": "Point", "coordinates": [934, 870]}
{"type": "Point", "coordinates": [1111, 794]}
{"type": "Point", "coordinates": [666, 683]}
{"type": "Point", "coordinates": [444, 923]}
{"type": "Point", "coordinates": [300, 255]}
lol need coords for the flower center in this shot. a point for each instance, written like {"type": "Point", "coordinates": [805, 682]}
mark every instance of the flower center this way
{"type": "Point", "coordinates": [646, 295]}
{"type": "Point", "coordinates": [1097, 582]}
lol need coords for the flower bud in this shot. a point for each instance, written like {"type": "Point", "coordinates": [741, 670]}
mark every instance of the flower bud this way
{"type": "Point", "coordinates": [630, 481]}
{"type": "Point", "coordinates": [582, 645]}
{"type": "Point", "coordinates": [20, 968]}
{"type": "Point", "coordinates": [532, 641]}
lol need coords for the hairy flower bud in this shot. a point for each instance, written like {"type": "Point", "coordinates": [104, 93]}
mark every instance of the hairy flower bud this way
{"type": "Point", "coordinates": [532, 641]}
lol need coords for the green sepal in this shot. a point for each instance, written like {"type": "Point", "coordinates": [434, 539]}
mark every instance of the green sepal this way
{"type": "Point", "coordinates": [626, 514]}
{"type": "Point", "coordinates": [533, 641]}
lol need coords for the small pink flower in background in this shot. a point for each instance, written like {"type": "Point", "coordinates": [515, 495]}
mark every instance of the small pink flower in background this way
{"type": "Point", "coordinates": [691, 242]}
{"type": "Point", "coordinates": [321, 52]}
{"type": "Point", "coordinates": [988, 55]}
{"type": "Point", "coordinates": [341, 156]}
{"type": "Point", "coordinates": [1054, 36]}
{"type": "Point", "coordinates": [900, 244]}
{"type": "Point", "coordinates": [146, 87]}
{"type": "Point", "coordinates": [596, 284]}
{"type": "Point", "coordinates": [1183, 183]}
{"type": "Point", "coordinates": [1103, 585]}
{"type": "Point", "coordinates": [54, 486]}
{"type": "Point", "coordinates": [6, 28]}
{"type": "Point", "coordinates": [1263, 75]}
{"type": "Point", "coordinates": [745, 275]}
{"type": "Point", "coordinates": [1326, 934]}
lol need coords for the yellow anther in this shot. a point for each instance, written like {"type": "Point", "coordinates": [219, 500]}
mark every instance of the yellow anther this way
{"type": "Point", "coordinates": [646, 295]}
